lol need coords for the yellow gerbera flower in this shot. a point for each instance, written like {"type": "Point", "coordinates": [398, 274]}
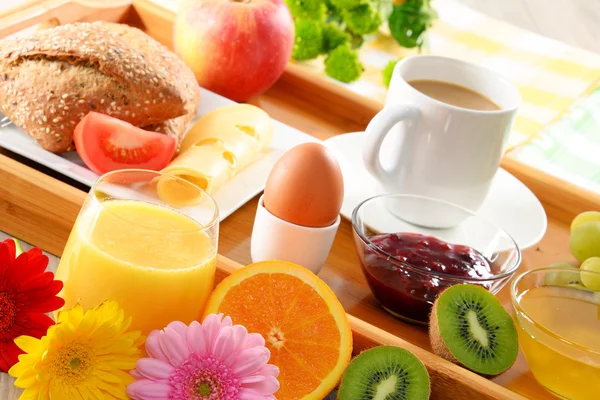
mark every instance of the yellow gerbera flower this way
{"type": "Point", "coordinates": [86, 355]}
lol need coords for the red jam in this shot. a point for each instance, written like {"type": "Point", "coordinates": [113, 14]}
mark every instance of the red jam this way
{"type": "Point", "coordinates": [409, 293]}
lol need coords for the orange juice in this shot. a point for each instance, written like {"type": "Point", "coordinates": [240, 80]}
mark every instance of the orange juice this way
{"type": "Point", "coordinates": [157, 263]}
{"type": "Point", "coordinates": [561, 339]}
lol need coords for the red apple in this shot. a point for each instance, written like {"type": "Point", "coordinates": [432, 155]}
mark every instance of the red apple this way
{"type": "Point", "coordinates": [237, 49]}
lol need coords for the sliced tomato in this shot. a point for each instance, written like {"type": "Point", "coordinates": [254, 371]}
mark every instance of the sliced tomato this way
{"type": "Point", "coordinates": [106, 144]}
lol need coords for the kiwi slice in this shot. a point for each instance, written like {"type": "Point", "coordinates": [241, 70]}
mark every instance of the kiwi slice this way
{"type": "Point", "coordinates": [469, 326]}
{"type": "Point", "coordinates": [385, 373]}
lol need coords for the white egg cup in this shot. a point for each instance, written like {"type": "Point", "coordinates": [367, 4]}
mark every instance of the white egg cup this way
{"type": "Point", "coordinates": [276, 239]}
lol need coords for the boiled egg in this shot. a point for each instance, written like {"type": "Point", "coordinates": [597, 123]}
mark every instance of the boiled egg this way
{"type": "Point", "coordinates": [305, 187]}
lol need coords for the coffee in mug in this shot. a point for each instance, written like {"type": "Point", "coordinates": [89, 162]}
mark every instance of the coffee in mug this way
{"type": "Point", "coordinates": [455, 95]}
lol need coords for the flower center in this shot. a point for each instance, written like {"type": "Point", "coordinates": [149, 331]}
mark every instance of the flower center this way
{"type": "Point", "coordinates": [8, 312]}
{"type": "Point", "coordinates": [276, 338]}
{"type": "Point", "coordinates": [72, 363]}
{"type": "Point", "coordinates": [203, 389]}
{"type": "Point", "coordinates": [202, 377]}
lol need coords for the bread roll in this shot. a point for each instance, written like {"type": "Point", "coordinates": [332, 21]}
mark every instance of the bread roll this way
{"type": "Point", "coordinates": [54, 77]}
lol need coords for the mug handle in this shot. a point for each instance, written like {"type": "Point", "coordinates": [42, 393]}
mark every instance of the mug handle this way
{"type": "Point", "coordinates": [376, 132]}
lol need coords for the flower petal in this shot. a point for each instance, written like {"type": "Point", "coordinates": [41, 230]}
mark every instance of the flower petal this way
{"type": "Point", "coordinates": [269, 369]}
{"type": "Point", "coordinates": [37, 262]}
{"type": "Point", "coordinates": [249, 394]}
{"type": "Point", "coordinates": [33, 323]}
{"type": "Point", "coordinates": [56, 390]}
{"type": "Point", "coordinates": [28, 344]}
{"type": "Point", "coordinates": [153, 347]}
{"type": "Point", "coordinates": [136, 375]}
{"type": "Point", "coordinates": [9, 355]}
{"type": "Point", "coordinates": [254, 340]}
{"type": "Point", "coordinates": [251, 360]}
{"type": "Point", "coordinates": [10, 249]}
{"type": "Point", "coordinates": [240, 333]}
{"type": "Point", "coordinates": [147, 389]}
{"type": "Point", "coordinates": [178, 327]}
{"type": "Point", "coordinates": [106, 376]}
{"type": "Point", "coordinates": [252, 379]}
{"type": "Point", "coordinates": [84, 392]}
{"type": "Point", "coordinates": [4, 364]}
{"type": "Point", "coordinates": [45, 301]}
{"type": "Point", "coordinates": [43, 391]}
{"type": "Point", "coordinates": [212, 325]}
{"type": "Point", "coordinates": [223, 345]}
{"type": "Point", "coordinates": [154, 369]}
{"type": "Point", "coordinates": [174, 347]}
{"type": "Point", "coordinates": [269, 385]}
{"type": "Point", "coordinates": [117, 391]}
{"type": "Point", "coordinates": [36, 282]}
{"type": "Point", "coordinates": [195, 338]}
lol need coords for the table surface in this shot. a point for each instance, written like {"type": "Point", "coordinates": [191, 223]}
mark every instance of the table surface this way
{"type": "Point", "coordinates": [578, 21]}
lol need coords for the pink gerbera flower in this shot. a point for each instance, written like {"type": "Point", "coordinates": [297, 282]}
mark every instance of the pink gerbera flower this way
{"type": "Point", "coordinates": [213, 360]}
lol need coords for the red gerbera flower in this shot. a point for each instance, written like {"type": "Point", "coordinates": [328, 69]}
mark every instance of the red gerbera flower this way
{"type": "Point", "coordinates": [27, 291]}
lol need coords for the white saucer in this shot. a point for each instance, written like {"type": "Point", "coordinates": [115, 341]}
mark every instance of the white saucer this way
{"type": "Point", "coordinates": [509, 205]}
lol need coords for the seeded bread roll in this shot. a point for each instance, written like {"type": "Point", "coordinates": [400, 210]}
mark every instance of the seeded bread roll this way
{"type": "Point", "coordinates": [173, 127]}
{"type": "Point", "coordinates": [54, 77]}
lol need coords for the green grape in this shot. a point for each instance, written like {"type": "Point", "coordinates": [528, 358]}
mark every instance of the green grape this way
{"type": "Point", "coordinates": [587, 216]}
{"type": "Point", "coordinates": [585, 241]}
{"type": "Point", "coordinates": [591, 280]}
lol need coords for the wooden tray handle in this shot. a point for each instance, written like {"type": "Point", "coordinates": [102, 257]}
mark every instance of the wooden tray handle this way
{"type": "Point", "coordinates": [50, 13]}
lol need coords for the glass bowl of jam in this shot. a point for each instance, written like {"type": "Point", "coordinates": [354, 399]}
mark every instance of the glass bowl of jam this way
{"type": "Point", "coordinates": [408, 261]}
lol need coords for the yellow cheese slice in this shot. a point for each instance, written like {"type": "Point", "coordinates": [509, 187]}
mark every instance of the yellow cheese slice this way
{"type": "Point", "coordinates": [208, 167]}
{"type": "Point", "coordinates": [218, 146]}
{"type": "Point", "coordinates": [242, 129]}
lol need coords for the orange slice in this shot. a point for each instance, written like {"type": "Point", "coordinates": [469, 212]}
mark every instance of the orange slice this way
{"type": "Point", "coordinates": [303, 323]}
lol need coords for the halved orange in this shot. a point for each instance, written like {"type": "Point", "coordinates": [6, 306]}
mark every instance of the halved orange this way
{"type": "Point", "coordinates": [303, 323]}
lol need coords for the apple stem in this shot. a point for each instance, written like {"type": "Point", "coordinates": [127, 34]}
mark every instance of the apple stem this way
{"type": "Point", "coordinates": [241, 1]}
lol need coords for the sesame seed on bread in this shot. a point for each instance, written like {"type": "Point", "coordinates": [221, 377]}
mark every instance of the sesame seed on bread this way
{"type": "Point", "coordinates": [186, 80]}
{"type": "Point", "coordinates": [54, 77]}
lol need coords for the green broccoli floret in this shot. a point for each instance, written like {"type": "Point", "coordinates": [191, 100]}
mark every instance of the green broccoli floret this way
{"type": "Point", "coordinates": [329, 5]}
{"type": "Point", "coordinates": [343, 64]}
{"type": "Point", "coordinates": [333, 36]}
{"type": "Point", "coordinates": [388, 71]}
{"type": "Point", "coordinates": [409, 21]}
{"type": "Point", "coordinates": [307, 9]}
{"type": "Point", "coordinates": [347, 4]}
{"type": "Point", "coordinates": [308, 40]}
{"type": "Point", "coordinates": [363, 19]}
{"type": "Point", "coordinates": [356, 41]}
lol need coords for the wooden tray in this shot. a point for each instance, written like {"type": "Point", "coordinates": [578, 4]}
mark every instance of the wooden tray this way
{"type": "Point", "coordinates": [36, 207]}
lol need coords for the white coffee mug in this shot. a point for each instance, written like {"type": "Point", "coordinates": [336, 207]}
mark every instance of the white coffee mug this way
{"type": "Point", "coordinates": [419, 145]}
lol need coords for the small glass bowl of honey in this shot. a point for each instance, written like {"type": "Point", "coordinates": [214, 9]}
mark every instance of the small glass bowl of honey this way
{"type": "Point", "coordinates": [557, 312]}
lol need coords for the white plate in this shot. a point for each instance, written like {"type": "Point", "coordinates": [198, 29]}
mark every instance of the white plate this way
{"type": "Point", "coordinates": [509, 205]}
{"type": "Point", "coordinates": [238, 191]}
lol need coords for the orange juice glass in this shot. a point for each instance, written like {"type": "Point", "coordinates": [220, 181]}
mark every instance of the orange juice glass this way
{"type": "Point", "coordinates": [558, 322]}
{"type": "Point", "coordinates": [147, 241]}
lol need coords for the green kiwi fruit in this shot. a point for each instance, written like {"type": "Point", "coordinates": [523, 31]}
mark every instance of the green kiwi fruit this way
{"type": "Point", "coordinates": [385, 372]}
{"type": "Point", "coordinates": [469, 326]}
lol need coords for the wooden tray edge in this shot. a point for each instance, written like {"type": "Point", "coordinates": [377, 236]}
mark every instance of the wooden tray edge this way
{"type": "Point", "coordinates": [65, 11]}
